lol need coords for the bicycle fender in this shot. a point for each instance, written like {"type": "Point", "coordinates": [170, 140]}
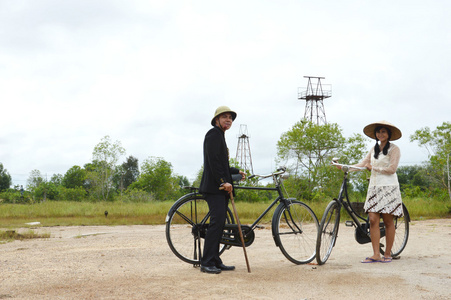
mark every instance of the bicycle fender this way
{"type": "Point", "coordinates": [282, 205]}
{"type": "Point", "coordinates": [181, 199]}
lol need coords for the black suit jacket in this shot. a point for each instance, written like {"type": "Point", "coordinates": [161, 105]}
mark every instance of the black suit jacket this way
{"type": "Point", "coordinates": [216, 163]}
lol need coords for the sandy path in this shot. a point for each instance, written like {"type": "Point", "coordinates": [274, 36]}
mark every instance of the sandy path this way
{"type": "Point", "coordinates": [135, 262]}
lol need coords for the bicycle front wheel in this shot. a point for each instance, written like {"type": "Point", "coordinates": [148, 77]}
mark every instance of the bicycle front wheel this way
{"type": "Point", "coordinates": [327, 233]}
{"type": "Point", "coordinates": [186, 225]}
{"type": "Point", "coordinates": [295, 227]}
{"type": "Point", "coordinates": [401, 234]}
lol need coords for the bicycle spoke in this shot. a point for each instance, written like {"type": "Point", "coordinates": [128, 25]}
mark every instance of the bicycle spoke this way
{"type": "Point", "coordinates": [184, 217]}
{"type": "Point", "coordinates": [186, 226]}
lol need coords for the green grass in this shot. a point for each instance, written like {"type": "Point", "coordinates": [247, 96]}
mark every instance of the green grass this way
{"type": "Point", "coordinates": [424, 208]}
{"type": "Point", "coordinates": [65, 213]}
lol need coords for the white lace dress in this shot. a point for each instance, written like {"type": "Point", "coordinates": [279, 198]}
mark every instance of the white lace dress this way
{"type": "Point", "coordinates": [383, 194]}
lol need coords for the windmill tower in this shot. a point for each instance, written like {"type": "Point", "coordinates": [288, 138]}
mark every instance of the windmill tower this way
{"type": "Point", "coordinates": [314, 95]}
{"type": "Point", "coordinates": [243, 151]}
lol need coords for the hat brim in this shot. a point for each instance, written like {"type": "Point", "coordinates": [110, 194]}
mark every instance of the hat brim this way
{"type": "Point", "coordinates": [213, 122]}
{"type": "Point", "coordinates": [395, 132]}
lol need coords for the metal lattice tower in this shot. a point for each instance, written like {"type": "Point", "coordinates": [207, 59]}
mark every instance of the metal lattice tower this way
{"type": "Point", "coordinates": [243, 151]}
{"type": "Point", "coordinates": [314, 95]}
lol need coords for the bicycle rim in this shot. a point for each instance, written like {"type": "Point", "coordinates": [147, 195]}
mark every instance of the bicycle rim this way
{"type": "Point", "coordinates": [327, 234]}
{"type": "Point", "coordinates": [295, 230]}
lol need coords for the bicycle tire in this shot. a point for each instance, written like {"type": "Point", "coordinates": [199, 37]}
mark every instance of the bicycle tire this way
{"type": "Point", "coordinates": [295, 228]}
{"type": "Point", "coordinates": [401, 234]}
{"type": "Point", "coordinates": [327, 233]}
{"type": "Point", "coordinates": [186, 224]}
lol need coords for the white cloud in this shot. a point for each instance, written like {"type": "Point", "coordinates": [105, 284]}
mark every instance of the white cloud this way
{"type": "Point", "coordinates": [151, 74]}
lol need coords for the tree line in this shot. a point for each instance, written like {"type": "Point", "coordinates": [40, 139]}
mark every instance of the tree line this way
{"type": "Point", "coordinates": [306, 150]}
{"type": "Point", "coordinates": [103, 179]}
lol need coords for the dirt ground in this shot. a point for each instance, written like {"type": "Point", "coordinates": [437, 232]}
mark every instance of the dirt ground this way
{"type": "Point", "coordinates": [135, 262]}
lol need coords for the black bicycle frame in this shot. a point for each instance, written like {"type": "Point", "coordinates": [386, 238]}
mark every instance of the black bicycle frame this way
{"type": "Point", "coordinates": [254, 225]}
{"type": "Point", "coordinates": [347, 205]}
{"type": "Point", "coordinates": [277, 189]}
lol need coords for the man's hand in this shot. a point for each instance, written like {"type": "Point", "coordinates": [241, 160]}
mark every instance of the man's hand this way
{"type": "Point", "coordinates": [227, 187]}
{"type": "Point", "coordinates": [243, 175]}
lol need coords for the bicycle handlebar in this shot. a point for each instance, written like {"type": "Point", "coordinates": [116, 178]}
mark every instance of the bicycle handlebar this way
{"type": "Point", "coordinates": [346, 168]}
{"type": "Point", "coordinates": [279, 171]}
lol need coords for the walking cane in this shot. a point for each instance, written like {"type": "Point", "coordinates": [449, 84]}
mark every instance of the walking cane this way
{"type": "Point", "coordinates": [239, 229]}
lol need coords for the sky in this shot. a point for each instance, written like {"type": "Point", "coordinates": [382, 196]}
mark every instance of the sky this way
{"type": "Point", "coordinates": [150, 75]}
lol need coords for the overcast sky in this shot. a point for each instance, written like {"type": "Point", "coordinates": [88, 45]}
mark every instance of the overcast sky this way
{"type": "Point", "coordinates": [150, 74]}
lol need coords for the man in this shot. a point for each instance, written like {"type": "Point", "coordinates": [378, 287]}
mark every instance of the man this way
{"type": "Point", "coordinates": [216, 174]}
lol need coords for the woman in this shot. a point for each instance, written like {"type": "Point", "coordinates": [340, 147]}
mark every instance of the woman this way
{"type": "Point", "coordinates": [384, 197]}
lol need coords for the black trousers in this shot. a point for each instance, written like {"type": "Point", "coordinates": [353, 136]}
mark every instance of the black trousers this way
{"type": "Point", "coordinates": [217, 204]}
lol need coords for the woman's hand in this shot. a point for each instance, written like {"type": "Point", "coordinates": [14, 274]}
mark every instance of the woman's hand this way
{"type": "Point", "coordinates": [369, 167]}
{"type": "Point", "coordinates": [243, 175]}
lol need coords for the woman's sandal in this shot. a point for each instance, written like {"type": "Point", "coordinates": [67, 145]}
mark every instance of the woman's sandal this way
{"type": "Point", "coordinates": [386, 259]}
{"type": "Point", "coordinates": [370, 260]}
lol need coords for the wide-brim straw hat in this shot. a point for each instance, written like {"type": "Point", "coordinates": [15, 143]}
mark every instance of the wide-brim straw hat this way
{"type": "Point", "coordinates": [395, 132]}
{"type": "Point", "coordinates": [221, 110]}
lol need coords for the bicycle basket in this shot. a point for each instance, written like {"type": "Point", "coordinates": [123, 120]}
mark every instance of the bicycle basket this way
{"type": "Point", "coordinates": [358, 208]}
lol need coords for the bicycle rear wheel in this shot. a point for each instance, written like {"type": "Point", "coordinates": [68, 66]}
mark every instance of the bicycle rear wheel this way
{"type": "Point", "coordinates": [327, 233]}
{"type": "Point", "coordinates": [295, 227]}
{"type": "Point", "coordinates": [186, 226]}
{"type": "Point", "coordinates": [401, 234]}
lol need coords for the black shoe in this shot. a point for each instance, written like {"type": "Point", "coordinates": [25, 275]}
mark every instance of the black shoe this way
{"type": "Point", "coordinates": [225, 268]}
{"type": "Point", "coordinates": [210, 270]}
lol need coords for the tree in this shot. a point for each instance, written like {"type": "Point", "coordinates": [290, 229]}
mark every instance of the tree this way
{"type": "Point", "coordinates": [5, 178]}
{"type": "Point", "coordinates": [126, 174]}
{"type": "Point", "coordinates": [35, 184]}
{"type": "Point", "coordinates": [156, 178]}
{"type": "Point", "coordinates": [56, 179]}
{"type": "Point", "coordinates": [34, 180]}
{"type": "Point", "coordinates": [307, 145]}
{"type": "Point", "coordinates": [438, 144]}
{"type": "Point", "coordinates": [75, 177]}
{"type": "Point", "coordinates": [198, 178]}
{"type": "Point", "coordinates": [416, 181]}
{"type": "Point", "coordinates": [183, 181]}
{"type": "Point", "coordinates": [105, 156]}
{"type": "Point", "coordinates": [308, 148]}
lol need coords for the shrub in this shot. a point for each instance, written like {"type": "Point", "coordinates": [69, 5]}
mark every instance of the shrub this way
{"type": "Point", "coordinates": [72, 194]}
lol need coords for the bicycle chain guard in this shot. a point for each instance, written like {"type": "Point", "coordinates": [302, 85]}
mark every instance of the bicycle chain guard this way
{"type": "Point", "coordinates": [231, 235]}
{"type": "Point", "coordinates": [362, 233]}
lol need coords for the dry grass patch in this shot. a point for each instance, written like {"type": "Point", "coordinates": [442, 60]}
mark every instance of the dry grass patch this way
{"type": "Point", "coordinates": [11, 235]}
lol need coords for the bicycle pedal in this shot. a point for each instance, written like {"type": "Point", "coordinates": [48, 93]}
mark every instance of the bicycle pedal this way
{"type": "Point", "coordinates": [349, 224]}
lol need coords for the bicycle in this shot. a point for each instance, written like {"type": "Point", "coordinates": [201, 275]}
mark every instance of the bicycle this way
{"type": "Point", "coordinates": [330, 221]}
{"type": "Point", "coordinates": [294, 225]}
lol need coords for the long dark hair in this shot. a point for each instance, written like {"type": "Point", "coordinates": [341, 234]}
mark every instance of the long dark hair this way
{"type": "Point", "coordinates": [377, 148]}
